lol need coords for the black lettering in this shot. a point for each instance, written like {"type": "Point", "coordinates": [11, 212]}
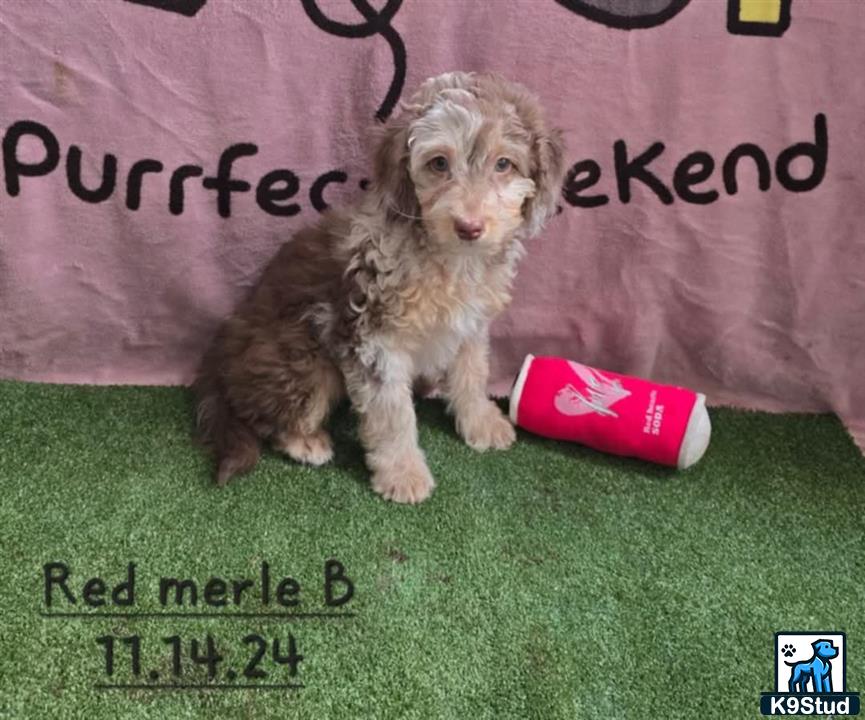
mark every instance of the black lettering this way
{"type": "Point", "coordinates": [316, 192]}
{"type": "Point", "coordinates": [56, 573]}
{"type": "Point", "coordinates": [175, 186]}
{"type": "Point", "coordinates": [239, 586]}
{"type": "Point", "coordinates": [817, 151]}
{"type": "Point", "coordinates": [223, 183]}
{"type": "Point", "coordinates": [76, 185]}
{"type": "Point", "coordinates": [13, 168]}
{"type": "Point", "coordinates": [692, 170]}
{"type": "Point", "coordinates": [180, 587]}
{"type": "Point", "coordinates": [636, 169]}
{"type": "Point", "coordinates": [133, 182]}
{"type": "Point", "coordinates": [93, 591]}
{"type": "Point", "coordinates": [214, 592]}
{"type": "Point", "coordinates": [266, 194]}
{"type": "Point", "coordinates": [285, 592]}
{"type": "Point", "coordinates": [591, 173]}
{"type": "Point", "coordinates": [334, 572]}
{"type": "Point", "coordinates": [731, 162]}
{"type": "Point", "coordinates": [128, 586]}
{"type": "Point", "coordinates": [265, 582]}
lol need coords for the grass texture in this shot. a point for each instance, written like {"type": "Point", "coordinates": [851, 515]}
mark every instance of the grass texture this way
{"type": "Point", "coordinates": [548, 581]}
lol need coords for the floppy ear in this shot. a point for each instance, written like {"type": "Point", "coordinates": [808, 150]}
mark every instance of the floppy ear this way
{"type": "Point", "coordinates": [391, 177]}
{"type": "Point", "coordinates": [548, 157]}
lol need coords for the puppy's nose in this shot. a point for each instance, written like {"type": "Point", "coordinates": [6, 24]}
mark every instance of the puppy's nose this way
{"type": "Point", "coordinates": [469, 229]}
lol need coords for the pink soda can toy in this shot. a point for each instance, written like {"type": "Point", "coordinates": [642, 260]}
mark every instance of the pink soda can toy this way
{"type": "Point", "coordinates": [614, 413]}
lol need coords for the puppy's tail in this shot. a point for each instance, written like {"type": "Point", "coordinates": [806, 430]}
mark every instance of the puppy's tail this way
{"type": "Point", "coordinates": [232, 441]}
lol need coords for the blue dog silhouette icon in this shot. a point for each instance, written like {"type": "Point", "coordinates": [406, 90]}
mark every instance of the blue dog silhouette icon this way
{"type": "Point", "coordinates": [818, 669]}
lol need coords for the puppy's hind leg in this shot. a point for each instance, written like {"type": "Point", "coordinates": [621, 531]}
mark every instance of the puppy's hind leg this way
{"type": "Point", "coordinates": [304, 439]}
{"type": "Point", "coordinates": [311, 449]}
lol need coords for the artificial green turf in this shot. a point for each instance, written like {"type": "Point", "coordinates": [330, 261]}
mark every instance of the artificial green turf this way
{"type": "Point", "coordinates": [547, 581]}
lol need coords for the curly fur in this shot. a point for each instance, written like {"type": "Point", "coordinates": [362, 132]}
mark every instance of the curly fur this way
{"type": "Point", "coordinates": [368, 302]}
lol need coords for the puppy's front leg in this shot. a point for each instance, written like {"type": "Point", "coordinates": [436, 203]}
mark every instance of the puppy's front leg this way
{"type": "Point", "coordinates": [479, 420]}
{"type": "Point", "coordinates": [388, 431]}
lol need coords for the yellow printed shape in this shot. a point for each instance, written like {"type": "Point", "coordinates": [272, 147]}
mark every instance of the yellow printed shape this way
{"type": "Point", "coordinates": [760, 11]}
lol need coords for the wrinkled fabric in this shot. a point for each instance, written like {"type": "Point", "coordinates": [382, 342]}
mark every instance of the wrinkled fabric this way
{"type": "Point", "coordinates": [755, 298]}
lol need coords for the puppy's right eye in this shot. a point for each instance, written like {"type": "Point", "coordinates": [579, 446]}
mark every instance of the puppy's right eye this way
{"type": "Point", "coordinates": [439, 164]}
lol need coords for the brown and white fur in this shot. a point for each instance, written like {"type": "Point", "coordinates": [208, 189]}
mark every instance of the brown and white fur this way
{"type": "Point", "coordinates": [402, 288]}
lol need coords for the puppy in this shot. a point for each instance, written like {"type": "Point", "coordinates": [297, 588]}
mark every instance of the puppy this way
{"type": "Point", "coordinates": [400, 289]}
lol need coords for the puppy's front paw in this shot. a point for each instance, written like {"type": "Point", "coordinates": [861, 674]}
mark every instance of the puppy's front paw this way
{"type": "Point", "coordinates": [409, 481]}
{"type": "Point", "coordinates": [486, 427]}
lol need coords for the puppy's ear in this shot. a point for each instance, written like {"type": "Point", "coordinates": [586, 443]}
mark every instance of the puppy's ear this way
{"type": "Point", "coordinates": [548, 158]}
{"type": "Point", "coordinates": [391, 177]}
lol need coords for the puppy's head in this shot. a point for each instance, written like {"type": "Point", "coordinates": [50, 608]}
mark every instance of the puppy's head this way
{"type": "Point", "coordinates": [472, 157]}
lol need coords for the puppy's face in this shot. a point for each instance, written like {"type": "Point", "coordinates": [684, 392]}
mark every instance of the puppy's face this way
{"type": "Point", "coordinates": [472, 157]}
{"type": "Point", "coordinates": [470, 162]}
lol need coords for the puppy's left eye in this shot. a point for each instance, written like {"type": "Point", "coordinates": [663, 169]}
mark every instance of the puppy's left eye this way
{"type": "Point", "coordinates": [439, 163]}
{"type": "Point", "coordinates": [503, 164]}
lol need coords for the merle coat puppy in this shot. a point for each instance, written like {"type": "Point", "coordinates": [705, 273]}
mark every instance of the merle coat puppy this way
{"type": "Point", "coordinates": [400, 288]}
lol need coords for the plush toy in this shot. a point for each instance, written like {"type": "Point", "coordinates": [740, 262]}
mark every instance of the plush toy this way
{"type": "Point", "coordinates": [614, 413]}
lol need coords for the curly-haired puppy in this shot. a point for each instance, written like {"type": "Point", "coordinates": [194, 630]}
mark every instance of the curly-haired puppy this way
{"type": "Point", "coordinates": [400, 289]}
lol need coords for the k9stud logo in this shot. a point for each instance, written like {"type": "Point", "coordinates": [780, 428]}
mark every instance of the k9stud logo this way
{"type": "Point", "coordinates": [810, 676]}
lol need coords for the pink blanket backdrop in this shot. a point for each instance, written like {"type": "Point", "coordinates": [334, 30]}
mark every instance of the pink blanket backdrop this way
{"type": "Point", "coordinates": [123, 245]}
